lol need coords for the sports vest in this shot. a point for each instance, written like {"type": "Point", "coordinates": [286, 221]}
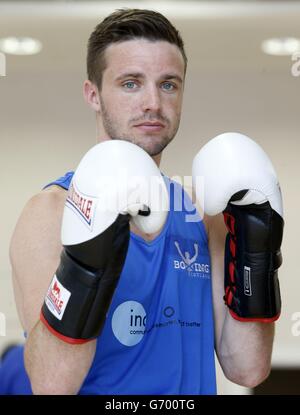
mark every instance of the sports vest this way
{"type": "Point", "coordinates": [159, 332]}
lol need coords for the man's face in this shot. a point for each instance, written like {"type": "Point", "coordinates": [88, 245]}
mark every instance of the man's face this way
{"type": "Point", "coordinates": [141, 94]}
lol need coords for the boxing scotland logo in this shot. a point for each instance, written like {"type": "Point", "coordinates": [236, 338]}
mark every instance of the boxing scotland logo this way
{"type": "Point", "coordinates": [190, 264]}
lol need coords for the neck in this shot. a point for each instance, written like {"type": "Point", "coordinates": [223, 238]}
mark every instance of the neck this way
{"type": "Point", "coordinates": [156, 158]}
{"type": "Point", "coordinates": [146, 236]}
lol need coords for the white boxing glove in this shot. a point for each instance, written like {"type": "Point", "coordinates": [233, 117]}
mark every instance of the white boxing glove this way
{"type": "Point", "coordinates": [115, 182]}
{"type": "Point", "coordinates": [240, 181]}
{"type": "Point", "coordinates": [232, 162]}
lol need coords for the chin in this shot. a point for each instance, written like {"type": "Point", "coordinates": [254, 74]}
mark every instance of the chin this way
{"type": "Point", "coordinates": [153, 145]}
{"type": "Point", "coordinates": [152, 150]}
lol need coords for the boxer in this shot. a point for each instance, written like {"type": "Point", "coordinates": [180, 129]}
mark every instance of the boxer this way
{"type": "Point", "coordinates": [105, 307]}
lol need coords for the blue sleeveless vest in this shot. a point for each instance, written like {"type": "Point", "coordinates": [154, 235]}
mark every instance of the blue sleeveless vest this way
{"type": "Point", "coordinates": [159, 333]}
{"type": "Point", "coordinates": [13, 377]}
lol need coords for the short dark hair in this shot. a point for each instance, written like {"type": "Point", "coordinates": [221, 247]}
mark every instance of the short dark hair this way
{"type": "Point", "coordinates": [127, 24]}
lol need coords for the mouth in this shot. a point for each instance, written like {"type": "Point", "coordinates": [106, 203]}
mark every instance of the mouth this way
{"type": "Point", "coordinates": [150, 126]}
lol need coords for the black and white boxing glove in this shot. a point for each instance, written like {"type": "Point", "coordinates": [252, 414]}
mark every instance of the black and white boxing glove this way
{"type": "Point", "coordinates": [115, 182]}
{"type": "Point", "coordinates": [240, 181]}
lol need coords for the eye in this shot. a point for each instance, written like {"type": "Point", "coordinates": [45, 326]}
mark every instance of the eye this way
{"type": "Point", "coordinates": [130, 85]}
{"type": "Point", "coordinates": [168, 86]}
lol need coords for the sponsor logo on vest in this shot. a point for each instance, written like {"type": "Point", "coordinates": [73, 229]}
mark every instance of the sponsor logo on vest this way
{"type": "Point", "coordinates": [169, 312]}
{"type": "Point", "coordinates": [129, 322]}
{"type": "Point", "coordinates": [57, 298]}
{"type": "Point", "coordinates": [83, 205]}
{"type": "Point", "coordinates": [188, 263]}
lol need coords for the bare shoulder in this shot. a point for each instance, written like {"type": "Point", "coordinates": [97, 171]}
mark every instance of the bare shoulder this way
{"type": "Point", "coordinates": [49, 198]}
{"type": "Point", "coordinates": [41, 212]}
{"type": "Point", "coordinates": [35, 250]}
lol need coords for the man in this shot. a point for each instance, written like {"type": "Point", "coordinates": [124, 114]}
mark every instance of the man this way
{"type": "Point", "coordinates": [136, 69]}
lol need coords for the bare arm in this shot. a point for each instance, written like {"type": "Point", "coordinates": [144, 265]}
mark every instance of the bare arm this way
{"type": "Point", "coordinates": [244, 349]}
{"type": "Point", "coordinates": [54, 367]}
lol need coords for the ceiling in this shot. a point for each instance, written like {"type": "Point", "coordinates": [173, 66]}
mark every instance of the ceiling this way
{"type": "Point", "coordinates": [231, 84]}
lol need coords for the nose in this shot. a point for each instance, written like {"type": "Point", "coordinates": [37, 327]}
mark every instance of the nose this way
{"type": "Point", "coordinates": [151, 99]}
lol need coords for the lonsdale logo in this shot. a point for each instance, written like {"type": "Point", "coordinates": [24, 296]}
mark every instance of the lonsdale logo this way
{"type": "Point", "coordinates": [57, 298]}
{"type": "Point", "coordinates": [82, 204]}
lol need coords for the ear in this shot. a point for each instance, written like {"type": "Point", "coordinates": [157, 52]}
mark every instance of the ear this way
{"type": "Point", "coordinates": [91, 95]}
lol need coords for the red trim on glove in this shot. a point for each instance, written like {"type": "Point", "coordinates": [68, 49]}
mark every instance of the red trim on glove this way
{"type": "Point", "coordinates": [257, 320]}
{"type": "Point", "coordinates": [61, 336]}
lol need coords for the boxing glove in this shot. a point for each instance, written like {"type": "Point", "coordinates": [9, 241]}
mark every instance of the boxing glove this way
{"type": "Point", "coordinates": [116, 182]}
{"type": "Point", "coordinates": [240, 181]}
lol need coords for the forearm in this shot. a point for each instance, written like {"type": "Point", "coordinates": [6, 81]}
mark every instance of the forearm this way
{"type": "Point", "coordinates": [55, 367]}
{"type": "Point", "coordinates": [245, 350]}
